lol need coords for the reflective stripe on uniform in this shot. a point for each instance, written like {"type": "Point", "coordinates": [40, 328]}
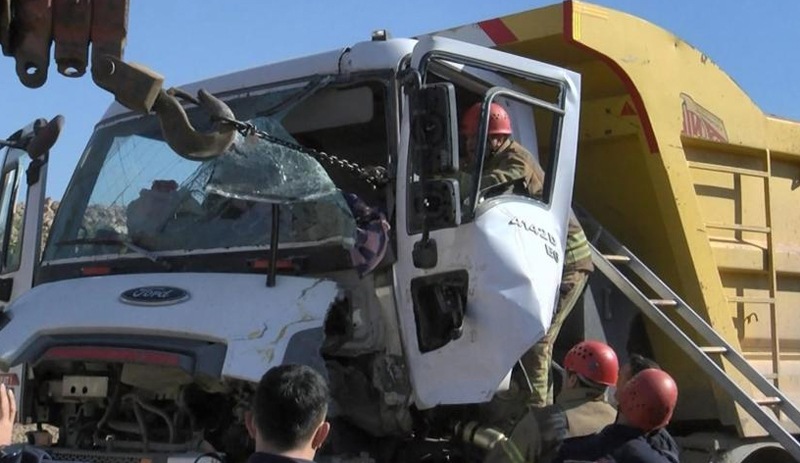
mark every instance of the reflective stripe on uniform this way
{"type": "Point", "coordinates": [577, 247]}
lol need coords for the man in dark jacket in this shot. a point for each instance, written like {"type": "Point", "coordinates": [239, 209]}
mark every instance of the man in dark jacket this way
{"type": "Point", "coordinates": [287, 419]}
{"type": "Point", "coordinates": [661, 438]}
{"type": "Point", "coordinates": [646, 405]}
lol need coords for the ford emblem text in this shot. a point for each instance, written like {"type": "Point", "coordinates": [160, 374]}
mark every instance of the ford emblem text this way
{"type": "Point", "coordinates": [154, 295]}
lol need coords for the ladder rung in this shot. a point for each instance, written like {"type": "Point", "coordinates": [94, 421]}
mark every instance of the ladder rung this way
{"type": "Point", "coordinates": [769, 401]}
{"type": "Point", "coordinates": [751, 300]}
{"type": "Point", "coordinates": [738, 227]}
{"type": "Point", "coordinates": [664, 302]}
{"type": "Point", "coordinates": [729, 170]}
{"type": "Point", "coordinates": [714, 349]}
{"type": "Point", "coordinates": [616, 259]}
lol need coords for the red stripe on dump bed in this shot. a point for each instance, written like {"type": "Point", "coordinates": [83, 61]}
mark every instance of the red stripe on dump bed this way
{"type": "Point", "coordinates": [497, 31]}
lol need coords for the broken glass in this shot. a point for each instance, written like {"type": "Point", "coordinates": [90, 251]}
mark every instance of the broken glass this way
{"type": "Point", "coordinates": [130, 186]}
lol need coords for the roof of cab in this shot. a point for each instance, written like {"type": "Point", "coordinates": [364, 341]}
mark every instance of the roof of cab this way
{"type": "Point", "coordinates": [363, 56]}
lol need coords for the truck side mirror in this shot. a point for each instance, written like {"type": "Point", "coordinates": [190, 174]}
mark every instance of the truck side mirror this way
{"type": "Point", "coordinates": [45, 136]}
{"type": "Point", "coordinates": [434, 129]}
{"type": "Point", "coordinates": [433, 148]}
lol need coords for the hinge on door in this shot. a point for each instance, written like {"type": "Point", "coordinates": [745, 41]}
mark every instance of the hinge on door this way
{"type": "Point", "coordinates": [4, 318]}
{"type": "Point", "coordinates": [34, 171]}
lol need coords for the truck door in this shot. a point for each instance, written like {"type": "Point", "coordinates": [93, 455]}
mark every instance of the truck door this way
{"type": "Point", "coordinates": [22, 189]}
{"type": "Point", "coordinates": [479, 261]}
{"type": "Point", "coordinates": [21, 200]}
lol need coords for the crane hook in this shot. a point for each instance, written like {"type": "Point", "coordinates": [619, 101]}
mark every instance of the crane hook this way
{"type": "Point", "coordinates": [179, 133]}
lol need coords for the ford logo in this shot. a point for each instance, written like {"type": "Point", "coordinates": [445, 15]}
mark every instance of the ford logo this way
{"type": "Point", "coordinates": [154, 295]}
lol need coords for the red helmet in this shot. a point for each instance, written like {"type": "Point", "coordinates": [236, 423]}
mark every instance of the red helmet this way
{"type": "Point", "coordinates": [499, 121]}
{"type": "Point", "coordinates": [594, 361]}
{"type": "Point", "coordinates": [648, 399]}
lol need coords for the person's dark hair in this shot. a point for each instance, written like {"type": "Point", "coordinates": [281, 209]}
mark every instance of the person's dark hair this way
{"type": "Point", "coordinates": [640, 363]}
{"type": "Point", "coordinates": [289, 403]}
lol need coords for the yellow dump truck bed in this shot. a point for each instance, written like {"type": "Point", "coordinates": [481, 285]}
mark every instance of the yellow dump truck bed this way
{"type": "Point", "coordinates": [677, 161]}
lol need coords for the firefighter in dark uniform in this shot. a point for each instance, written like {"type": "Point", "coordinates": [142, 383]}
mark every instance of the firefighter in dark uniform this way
{"type": "Point", "coordinates": [646, 405]}
{"type": "Point", "coordinates": [579, 410]}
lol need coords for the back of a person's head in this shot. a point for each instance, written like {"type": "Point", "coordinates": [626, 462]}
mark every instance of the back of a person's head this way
{"type": "Point", "coordinates": [648, 400]}
{"type": "Point", "coordinates": [639, 363]}
{"type": "Point", "coordinates": [289, 403]}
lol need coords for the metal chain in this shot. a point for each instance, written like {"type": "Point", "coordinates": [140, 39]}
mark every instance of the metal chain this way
{"type": "Point", "coordinates": [375, 176]}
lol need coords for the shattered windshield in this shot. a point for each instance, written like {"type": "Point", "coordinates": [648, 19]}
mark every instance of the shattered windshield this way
{"type": "Point", "coordinates": [132, 194]}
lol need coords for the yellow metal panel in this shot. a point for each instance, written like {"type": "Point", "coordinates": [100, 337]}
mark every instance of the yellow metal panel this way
{"type": "Point", "coordinates": [536, 24]}
{"type": "Point", "coordinates": [655, 114]}
{"type": "Point", "coordinates": [660, 68]}
{"type": "Point", "coordinates": [783, 137]}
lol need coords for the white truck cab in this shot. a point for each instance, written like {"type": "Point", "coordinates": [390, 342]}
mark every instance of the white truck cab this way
{"type": "Point", "coordinates": [150, 317]}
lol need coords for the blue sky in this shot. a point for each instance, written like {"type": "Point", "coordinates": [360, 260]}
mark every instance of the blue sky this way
{"type": "Point", "coordinates": [186, 40]}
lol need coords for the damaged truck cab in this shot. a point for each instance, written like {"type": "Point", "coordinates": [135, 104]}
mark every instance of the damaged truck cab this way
{"type": "Point", "coordinates": [150, 317]}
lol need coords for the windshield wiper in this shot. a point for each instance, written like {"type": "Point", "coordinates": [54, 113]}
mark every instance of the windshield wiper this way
{"type": "Point", "coordinates": [112, 242]}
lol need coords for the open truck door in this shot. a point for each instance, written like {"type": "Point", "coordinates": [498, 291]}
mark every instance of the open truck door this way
{"type": "Point", "coordinates": [478, 266]}
{"type": "Point", "coordinates": [22, 193]}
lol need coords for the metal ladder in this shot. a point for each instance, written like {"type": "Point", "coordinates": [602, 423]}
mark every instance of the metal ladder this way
{"type": "Point", "coordinates": [766, 175]}
{"type": "Point", "coordinates": [615, 257]}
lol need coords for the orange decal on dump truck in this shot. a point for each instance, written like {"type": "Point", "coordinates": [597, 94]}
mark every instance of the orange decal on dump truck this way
{"type": "Point", "coordinates": [699, 122]}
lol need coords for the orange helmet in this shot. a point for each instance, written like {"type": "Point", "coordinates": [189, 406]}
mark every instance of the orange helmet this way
{"type": "Point", "coordinates": [499, 121]}
{"type": "Point", "coordinates": [594, 361]}
{"type": "Point", "coordinates": [648, 399]}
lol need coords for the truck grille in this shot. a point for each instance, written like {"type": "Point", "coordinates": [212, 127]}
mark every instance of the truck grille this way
{"type": "Point", "coordinates": [95, 457]}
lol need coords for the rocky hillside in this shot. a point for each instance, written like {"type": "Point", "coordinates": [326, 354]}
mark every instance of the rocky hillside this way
{"type": "Point", "coordinates": [96, 216]}
{"type": "Point", "coordinates": [50, 208]}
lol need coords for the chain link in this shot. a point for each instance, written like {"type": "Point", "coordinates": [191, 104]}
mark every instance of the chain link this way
{"type": "Point", "coordinates": [375, 176]}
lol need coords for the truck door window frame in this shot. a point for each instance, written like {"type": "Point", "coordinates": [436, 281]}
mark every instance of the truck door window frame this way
{"type": "Point", "coordinates": [555, 135]}
{"type": "Point", "coordinates": [446, 67]}
{"type": "Point", "coordinates": [12, 251]}
{"type": "Point", "coordinates": [8, 197]}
